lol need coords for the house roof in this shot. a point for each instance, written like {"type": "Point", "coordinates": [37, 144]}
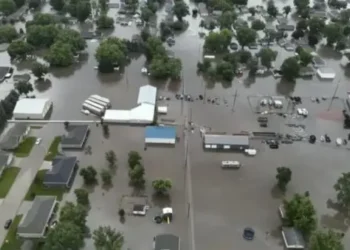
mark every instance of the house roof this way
{"type": "Point", "coordinates": [160, 132]}
{"type": "Point", "coordinates": [75, 135]}
{"type": "Point", "coordinates": [3, 160]}
{"type": "Point", "coordinates": [31, 106]}
{"type": "Point", "coordinates": [147, 94]}
{"type": "Point", "coordinates": [12, 138]}
{"type": "Point", "coordinates": [62, 168]}
{"type": "Point", "coordinates": [167, 242]}
{"type": "Point", "coordinates": [35, 220]}
{"type": "Point", "coordinates": [293, 238]}
{"type": "Point", "coordinates": [226, 139]}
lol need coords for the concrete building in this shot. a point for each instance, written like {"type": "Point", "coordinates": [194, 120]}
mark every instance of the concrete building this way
{"type": "Point", "coordinates": [62, 172]}
{"type": "Point", "coordinates": [14, 136]}
{"type": "Point", "coordinates": [75, 137]}
{"type": "Point", "coordinates": [292, 238]}
{"type": "Point", "coordinates": [225, 142]}
{"type": "Point", "coordinates": [166, 242]}
{"type": "Point", "coordinates": [32, 108]}
{"type": "Point", "coordinates": [35, 223]}
{"type": "Point", "coordinates": [5, 161]}
{"type": "Point", "coordinates": [160, 135]}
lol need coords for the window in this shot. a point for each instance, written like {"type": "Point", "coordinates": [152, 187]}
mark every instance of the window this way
{"type": "Point", "coordinates": [227, 147]}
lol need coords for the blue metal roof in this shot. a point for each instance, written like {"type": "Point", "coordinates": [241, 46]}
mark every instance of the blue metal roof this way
{"type": "Point", "coordinates": [160, 132]}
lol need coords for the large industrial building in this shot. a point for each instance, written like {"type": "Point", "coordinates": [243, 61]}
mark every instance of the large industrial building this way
{"type": "Point", "coordinates": [32, 108]}
{"type": "Point", "coordinates": [160, 135]}
{"type": "Point", "coordinates": [143, 113]}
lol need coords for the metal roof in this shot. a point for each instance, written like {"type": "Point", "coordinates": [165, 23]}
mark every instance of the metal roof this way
{"type": "Point", "coordinates": [35, 220]}
{"type": "Point", "coordinates": [75, 135]}
{"type": "Point", "coordinates": [293, 238]}
{"type": "Point", "coordinates": [160, 132]}
{"type": "Point", "coordinates": [167, 242]}
{"type": "Point", "coordinates": [61, 171]}
{"type": "Point", "coordinates": [147, 94]}
{"type": "Point", "coordinates": [31, 106]}
{"type": "Point", "coordinates": [226, 139]}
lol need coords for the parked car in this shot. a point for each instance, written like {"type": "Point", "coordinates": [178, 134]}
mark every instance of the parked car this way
{"type": "Point", "coordinates": [38, 140]}
{"type": "Point", "coordinates": [8, 224]}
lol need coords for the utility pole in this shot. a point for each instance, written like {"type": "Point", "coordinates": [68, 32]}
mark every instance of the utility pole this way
{"type": "Point", "coordinates": [234, 101]}
{"type": "Point", "coordinates": [126, 77]}
{"type": "Point", "coordinates": [335, 92]}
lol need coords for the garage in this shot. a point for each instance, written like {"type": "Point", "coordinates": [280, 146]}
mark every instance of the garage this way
{"type": "Point", "coordinates": [160, 135]}
{"type": "Point", "coordinates": [34, 109]}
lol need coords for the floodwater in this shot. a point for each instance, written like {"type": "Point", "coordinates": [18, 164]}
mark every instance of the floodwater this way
{"type": "Point", "coordinates": [75, 84]}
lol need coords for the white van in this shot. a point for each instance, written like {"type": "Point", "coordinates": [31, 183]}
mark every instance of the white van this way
{"type": "Point", "coordinates": [231, 164]}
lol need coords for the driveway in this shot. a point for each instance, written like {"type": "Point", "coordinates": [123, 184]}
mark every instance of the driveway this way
{"type": "Point", "coordinates": [29, 167]}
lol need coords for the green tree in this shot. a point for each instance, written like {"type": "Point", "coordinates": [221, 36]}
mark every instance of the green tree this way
{"type": "Point", "coordinates": [283, 176]}
{"type": "Point", "coordinates": [57, 5]}
{"type": "Point", "coordinates": [246, 36]}
{"type": "Point", "coordinates": [83, 10]}
{"type": "Point", "coordinates": [7, 7]}
{"type": "Point", "coordinates": [312, 40]}
{"type": "Point", "coordinates": [19, 49]}
{"type": "Point", "coordinates": [146, 14]}
{"type": "Point", "coordinates": [111, 159]}
{"type": "Point", "coordinates": [111, 52]}
{"type": "Point", "coordinates": [89, 175]}
{"type": "Point", "coordinates": [301, 5]}
{"type": "Point", "coordinates": [218, 41]}
{"type": "Point", "coordinates": [341, 44]}
{"type": "Point", "coordinates": [272, 9]}
{"type": "Point", "coordinates": [300, 213]}
{"type": "Point", "coordinates": [134, 159]}
{"type": "Point", "coordinates": [305, 57]}
{"type": "Point", "coordinates": [180, 9]}
{"type": "Point", "coordinates": [103, 5]}
{"type": "Point", "coordinates": [321, 240]}
{"type": "Point", "coordinates": [24, 87]}
{"type": "Point", "coordinates": [258, 25]}
{"type": "Point", "coordinates": [82, 196]}
{"type": "Point", "coordinates": [75, 214]}
{"type": "Point", "coordinates": [105, 22]}
{"type": "Point", "coordinates": [227, 19]}
{"type": "Point", "coordinates": [39, 70]}
{"type": "Point", "coordinates": [7, 33]}
{"type": "Point", "coordinates": [106, 238]}
{"type": "Point", "coordinates": [154, 47]}
{"type": "Point", "coordinates": [161, 186]}
{"type": "Point", "coordinates": [252, 11]}
{"type": "Point", "coordinates": [267, 56]}
{"type": "Point", "coordinates": [71, 37]}
{"type": "Point", "coordinates": [302, 24]}
{"type": "Point", "coordinates": [290, 68]}
{"type": "Point", "coordinates": [163, 67]}
{"type": "Point", "coordinates": [225, 70]}
{"type": "Point", "coordinates": [60, 55]}
{"type": "Point", "coordinates": [345, 16]}
{"type": "Point", "coordinates": [106, 177]}
{"type": "Point", "coordinates": [342, 187]}
{"type": "Point", "coordinates": [136, 175]}
{"type": "Point", "coordinates": [42, 19]}
{"type": "Point", "coordinates": [333, 33]}
{"type": "Point", "coordinates": [19, 3]}
{"type": "Point", "coordinates": [287, 9]}
{"type": "Point", "coordinates": [65, 235]}
{"type": "Point", "coordinates": [42, 36]}
{"type": "Point", "coordinates": [316, 25]}
{"type": "Point", "coordinates": [346, 30]}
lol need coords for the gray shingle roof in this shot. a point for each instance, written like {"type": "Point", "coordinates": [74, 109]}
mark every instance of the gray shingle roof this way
{"type": "Point", "coordinates": [226, 139]}
{"type": "Point", "coordinates": [62, 168]}
{"type": "Point", "coordinates": [75, 135]}
{"type": "Point", "coordinates": [35, 220]}
{"type": "Point", "coordinates": [167, 242]}
{"type": "Point", "coordinates": [293, 237]}
{"type": "Point", "coordinates": [12, 138]}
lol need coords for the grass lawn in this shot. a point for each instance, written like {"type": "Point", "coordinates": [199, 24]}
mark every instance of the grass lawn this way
{"type": "Point", "coordinates": [7, 179]}
{"type": "Point", "coordinates": [11, 242]}
{"type": "Point", "coordinates": [25, 147]}
{"type": "Point", "coordinates": [53, 149]}
{"type": "Point", "coordinates": [37, 188]}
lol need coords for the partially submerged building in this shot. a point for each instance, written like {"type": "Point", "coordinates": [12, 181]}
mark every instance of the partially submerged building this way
{"type": "Point", "coordinates": [14, 136]}
{"type": "Point", "coordinates": [61, 173]}
{"type": "Point", "coordinates": [160, 135]}
{"type": "Point", "coordinates": [75, 137]}
{"type": "Point", "coordinates": [32, 108]}
{"type": "Point", "coordinates": [225, 142]}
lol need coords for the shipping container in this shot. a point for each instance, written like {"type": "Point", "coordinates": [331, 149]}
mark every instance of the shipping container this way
{"type": "Point", "coordinates": [93, 110]}
{"type": "Point", "coordinates": [94, 104]}
{"type": "Point", "coordinates": [98, 102]}
{"type": "Point", "coordinates": [102, 99]}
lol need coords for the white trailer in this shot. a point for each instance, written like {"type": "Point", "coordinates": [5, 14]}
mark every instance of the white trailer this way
{"type": "Point", "coordinates": [96, 105]}
{"type": "Point", "coordinates": [102, 99]}
{"type": "Point", "coordinates": [103, 104]}
{"type": "Point", "coordinates": [93, 110]}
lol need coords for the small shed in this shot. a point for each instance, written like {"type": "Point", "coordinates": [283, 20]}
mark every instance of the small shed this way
{"type": "Point", "coordinates": [163, 110]}
{"type": "Point", "coordinates": [160, 135]}
{"type": "Point", "coordinates": [293, 239]}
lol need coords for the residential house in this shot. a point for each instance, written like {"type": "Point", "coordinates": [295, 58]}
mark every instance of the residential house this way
{"type": "Point", "coordinates": [166, 241]}
{"type": "Point", "coordinates": [62, 172]}
{"type": "Point", "coordinates": [75, 137]}
{"type": "Point", "coordinates": [14, 137]}
{"type": "Point", "coordinates": [5, 161]}
{"type": "Point", "coordinates": [35, 223]}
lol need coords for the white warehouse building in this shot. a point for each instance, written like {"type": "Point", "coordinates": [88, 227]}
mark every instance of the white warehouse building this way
{"type": "Point", "coordinates": [143, 113]}
{"type": "Point", "coordinates": [32, 108]}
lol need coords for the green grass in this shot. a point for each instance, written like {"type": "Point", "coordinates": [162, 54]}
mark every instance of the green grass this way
{"type": "Point", "coordinates": [25, 147]}
{"type": "Point", "coordinates": [36, 127]}
{"type": "Point", "coordinates": [11, 241]}
{"type": "Point", "coordinates": [7, 179]}
{"type": "Point", "coordinates": [37, 188]}
{"type": "Point", "coordinates": [53, 149]}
